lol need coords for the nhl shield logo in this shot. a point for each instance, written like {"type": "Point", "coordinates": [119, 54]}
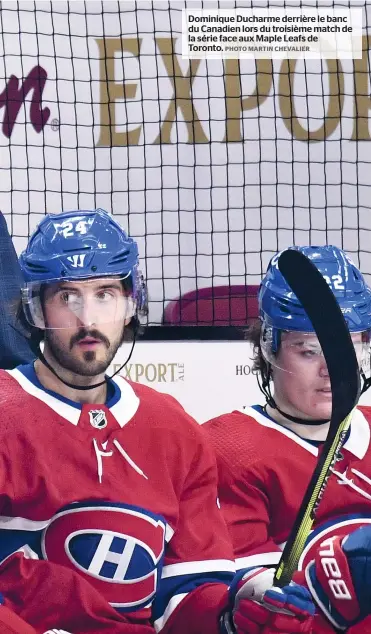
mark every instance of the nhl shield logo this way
{"type": "Point", "coordinates": [98, 418]}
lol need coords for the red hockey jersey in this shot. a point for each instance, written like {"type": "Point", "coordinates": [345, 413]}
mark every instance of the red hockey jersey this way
{"type": "Point", "coordinates": [264, 470]}
{"type": "Point", "coordinates": [109, 519]}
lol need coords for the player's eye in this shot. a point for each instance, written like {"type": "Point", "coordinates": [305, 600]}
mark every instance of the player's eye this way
{"type": "Point", "coordinates": [309, 353]}
{"type": "Point", "coordinates": [69, 298]}
{"type": "Point", "coordinates": [105, 296]}
{"type": "Point", "coordinates": [64, 297]}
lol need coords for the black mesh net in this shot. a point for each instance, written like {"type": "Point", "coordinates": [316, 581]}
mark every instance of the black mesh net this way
{"type": "Point", "coordinates": [212, 166]}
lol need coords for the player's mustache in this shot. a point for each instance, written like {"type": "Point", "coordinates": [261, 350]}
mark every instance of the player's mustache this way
{"type": "Point", "coordinates": [95, 334]}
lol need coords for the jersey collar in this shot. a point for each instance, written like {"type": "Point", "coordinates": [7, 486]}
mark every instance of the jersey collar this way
{"type": "Point", "coordinates": [357, 443]}
{"type": "Point", "coordinates": [123, 408]}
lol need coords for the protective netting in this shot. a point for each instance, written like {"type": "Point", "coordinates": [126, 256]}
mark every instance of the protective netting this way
{"type": "Point", "coordinates": [212, 165]}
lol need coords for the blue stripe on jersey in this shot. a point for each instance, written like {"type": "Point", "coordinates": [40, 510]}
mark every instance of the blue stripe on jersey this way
{"type": "Point", "coordinates": [11, 541]}
{"type": "Point", "coordinates": [113, 390]}
{"type": "Point", "coordinates": [114, 505]}
{"type": "Point", "coordinates": [182, 584]}
{"type": "Point", "coordinates": [315, 443]}
{"type": "Point", "coordinates": [339, 520]}
{"type": "Point", "coordinates": [29, 372]}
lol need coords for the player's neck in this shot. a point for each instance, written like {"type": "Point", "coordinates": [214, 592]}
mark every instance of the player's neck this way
{"type": "Point", "coordinates": [307, 432]}
{"type": "Point", "coordinates": [51, 382]}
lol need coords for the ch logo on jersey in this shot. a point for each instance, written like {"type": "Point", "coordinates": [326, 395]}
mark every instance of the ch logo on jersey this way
{"type": "Point", "coordinates": [340, 526]}
{"type": "Point", "coordinates": [77, 260]}
{"type": "Point", "coordinates": [117, 548]}
{"type": "Point", "coordinates": [98, 418]}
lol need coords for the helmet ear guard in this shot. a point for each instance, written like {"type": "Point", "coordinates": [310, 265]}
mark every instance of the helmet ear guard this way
{"type": "Point", "coordinates": [141, 294]}
{"type": "Point", "coordinates": [270, 339]}
{"type": "Point", "coordinates": [131, 309]}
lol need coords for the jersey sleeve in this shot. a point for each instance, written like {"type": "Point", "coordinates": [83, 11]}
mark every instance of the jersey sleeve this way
{"type": "Point", "coordinates": [245, 494]}
{"type": "Point", "coordinates": [246, 508]}
{"type": "Point", "coordinates": [198, 566]}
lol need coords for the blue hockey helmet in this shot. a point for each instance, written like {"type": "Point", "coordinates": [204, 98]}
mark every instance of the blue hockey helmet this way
{"type": "Point", "coordinates": [79, 245]}
{"type": "Point", "coordinates": [280, 310]}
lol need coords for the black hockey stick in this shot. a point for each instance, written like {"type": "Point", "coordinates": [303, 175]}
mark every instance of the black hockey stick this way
{"type": "Point", "coordinates": [324, 312]}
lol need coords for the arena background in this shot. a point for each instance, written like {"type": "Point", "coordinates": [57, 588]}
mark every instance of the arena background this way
{"type": "Point", "coordinates": [212, 166]}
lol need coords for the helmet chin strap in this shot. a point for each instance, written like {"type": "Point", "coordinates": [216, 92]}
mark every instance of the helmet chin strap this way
{"type": "Point", "coordinates": [295, 419]}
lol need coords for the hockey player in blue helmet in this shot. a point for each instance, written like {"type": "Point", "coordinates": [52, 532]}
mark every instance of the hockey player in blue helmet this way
{"type": "Point", "coordinates": [84, 247]}
{"type": "Point", "coordinates": [108, 493]}
{"type": "Point", "coordinates": [267, 453]}
{"type": "Point", "coordinates": [282, 317]}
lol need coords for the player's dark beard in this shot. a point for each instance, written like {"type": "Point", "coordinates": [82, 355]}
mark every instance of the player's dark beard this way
{"type": "Point", "coordinates": [89, 366]}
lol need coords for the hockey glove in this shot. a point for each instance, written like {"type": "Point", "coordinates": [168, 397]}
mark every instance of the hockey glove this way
{"type": "Point", "coordinates": [339, 578]}
{"type": "Point", "coordinates": [257, 607]}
